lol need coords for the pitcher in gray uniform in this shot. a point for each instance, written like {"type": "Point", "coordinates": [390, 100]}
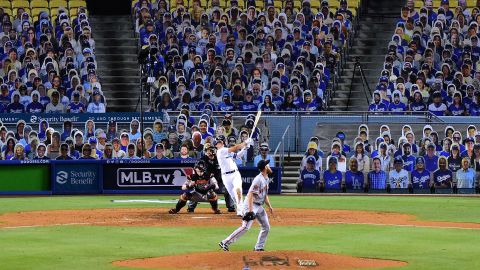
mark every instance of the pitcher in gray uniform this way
{"type": "Point", "coordinates": [256, 197]}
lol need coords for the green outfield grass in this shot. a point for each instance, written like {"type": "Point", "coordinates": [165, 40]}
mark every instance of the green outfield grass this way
{"type": "Point", "coordinates": [94, 247]}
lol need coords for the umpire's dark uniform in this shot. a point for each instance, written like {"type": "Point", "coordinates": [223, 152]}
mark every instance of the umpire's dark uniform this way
{"type": "Point", "coordinates": [214, 169]}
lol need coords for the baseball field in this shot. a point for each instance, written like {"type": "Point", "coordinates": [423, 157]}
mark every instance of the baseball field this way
{"type": "Point", "coordinates": [325, 232]}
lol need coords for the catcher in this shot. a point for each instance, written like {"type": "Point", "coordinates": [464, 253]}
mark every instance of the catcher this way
{"type": "Point", "coordinates": [199, 187]}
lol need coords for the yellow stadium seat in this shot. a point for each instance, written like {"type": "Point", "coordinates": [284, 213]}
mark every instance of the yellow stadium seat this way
{"type": "Point", "coordinates": [36, 11]}
{"type": "Point", "coordinates": [8, 11]}
{"type": "Point", "coordinates": [58, 3]}
{"type": "Point", "coordinates": [297, 4]}
{"type": "Point", "coordinates": [38, 4]}
{"type": "Point", "coordinates": [241, 5]}
{"type": "Point", "coordinates": [73, 12]}
{"type": "Point", "coordinates": [471, 3]}
{"type": "Point", "coordinates": [5, 4]}
{"type": "Point", "coordinates": [354, 12]}
{"type": "Point", "coordinates": [260, 4]}
{"type": "Point", "coordinates": [76, 4]}
{"type": "Point", "coordinates": [20, 3]}
{"type": "Point", "coordinates": [25, 9]}
{"type": "Point", "coordinates": [54, 12]}
{"type": "Point", "coordinates": [334, 3]}
{"type": "Point", "coordinates": [224, 4]}
{"type": "Point", "coordinates": [418, 4]}
{"type": "Point", "coordinates": [354, 4]}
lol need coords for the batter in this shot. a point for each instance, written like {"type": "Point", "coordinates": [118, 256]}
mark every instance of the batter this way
{"type": "Point", "coordinates": [230, 175]}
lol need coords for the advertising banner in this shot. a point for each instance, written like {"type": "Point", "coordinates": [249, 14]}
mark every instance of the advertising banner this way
{"type": "Point", "coordinates": [80, 177]}
{"type": "Point", "coordinates": [19, 177]}
{"type": "Point", "coordinates": [12, 118]}
{"type": "Point", "coordinates": [148, 176]}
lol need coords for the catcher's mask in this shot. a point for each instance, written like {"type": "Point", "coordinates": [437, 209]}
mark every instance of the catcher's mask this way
{"type": "Point", "coordinates": [199, 167]}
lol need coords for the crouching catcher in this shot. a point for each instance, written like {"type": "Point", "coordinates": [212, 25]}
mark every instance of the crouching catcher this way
{"type": "Point", "coordinates": [199, 187]}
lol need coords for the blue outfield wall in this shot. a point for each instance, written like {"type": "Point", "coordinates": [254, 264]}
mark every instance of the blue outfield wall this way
{"type": "Point", "coordinates": [110, 177]}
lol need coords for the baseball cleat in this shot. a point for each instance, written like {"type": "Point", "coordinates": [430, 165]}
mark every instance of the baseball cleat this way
{"type": "Point", "coordinates": [172, 211]}
{"type": "Point", "coordinates": [217, 211]}
{"type": "Point", "coordinates": [258, 249]}
{"type": "Point", "coordinates": [223, 246]}
{"type": "Point", "coordinates": [190, 210]}
{"type": "Point", "coordinates": [231, 210]}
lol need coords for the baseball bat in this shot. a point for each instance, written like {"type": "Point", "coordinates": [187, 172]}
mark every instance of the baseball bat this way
{"type": "Point", "coordinates": [257, 117]}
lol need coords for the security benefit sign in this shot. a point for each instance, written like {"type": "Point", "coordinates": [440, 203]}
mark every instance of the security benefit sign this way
{"type": "Point", "coordinates": [146, 176]}
{"type": "Point", "coordinates": [75, 178]}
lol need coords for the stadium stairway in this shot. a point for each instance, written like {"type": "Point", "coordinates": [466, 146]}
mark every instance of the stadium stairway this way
{"type": "Point", "coordinates": [376, 25]}
{"type": "Point", "coordinates": [116, 55]}
{"type": "Point", "coordinates": [290, 174]}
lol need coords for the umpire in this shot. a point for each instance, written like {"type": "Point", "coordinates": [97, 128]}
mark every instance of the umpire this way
{"type": "Point", "coordinates": [210, 159]}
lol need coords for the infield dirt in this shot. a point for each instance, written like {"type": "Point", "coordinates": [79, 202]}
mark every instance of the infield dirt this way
{"type": "Point", "coordinates": [205, 217]}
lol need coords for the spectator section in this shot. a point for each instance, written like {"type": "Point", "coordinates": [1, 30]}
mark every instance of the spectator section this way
{"type": "Point", "coordinates": [444, 159]}
{"type": "Point", "coordinates": [243, 55]}
{"type": "Point", "coordinates": [48, 58]}
{"type": "Point", "coordinates": [432, 61]}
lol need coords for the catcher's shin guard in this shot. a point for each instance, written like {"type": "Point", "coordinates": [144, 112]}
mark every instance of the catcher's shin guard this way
{"type": "Point", "coordinates": [180, 205]}
{"type": "Point", "coordinates": [214, 205]}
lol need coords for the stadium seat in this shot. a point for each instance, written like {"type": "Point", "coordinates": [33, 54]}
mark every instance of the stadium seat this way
{"type": "Point", "coordinates": [58, 3]}
{"type": "Point", "coordinates": [54, 13]}
{"type": "Point", "coordinates": [20, 3]}
{"type": "Point", "coordinates": [278, 4]}
{"type": "Point", "coordinates": [260, 3]}
{"type": "Point", "coordinates": [297, 3]}
{"type": "Point", "coordinates": [5, 4]}
{"type": "Point", "coordinates": [76, 4]}
{"type": "Point", "coordinates": [26, 9]}
{"type": "Point", "coordinates": [471, 3]}
{"type": "Point", "coordinates": [418, 4]}
{"type": "Point", "coordinates": [36, 11]}
{"type": "Point", "coordinates": [8, 11]}
{"type": "Point", "coordinates": [73, 13]}
{"type": "Point", "coordinates": [334, 3]}
{"type": "Point", "coordinates": [38, 4]}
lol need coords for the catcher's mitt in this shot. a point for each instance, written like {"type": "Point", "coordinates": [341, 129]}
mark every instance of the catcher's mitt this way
{"type": "Point", "coordinates": [249, 216]}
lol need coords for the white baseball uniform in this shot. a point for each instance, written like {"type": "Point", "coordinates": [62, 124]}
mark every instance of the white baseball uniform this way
{"type": "Point", "coordinates": [259, 191]}
{"type": "Point", "coordinates": [230, 175]}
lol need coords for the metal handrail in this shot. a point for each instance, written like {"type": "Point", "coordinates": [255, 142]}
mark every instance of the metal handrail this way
{"type": "Point", "coordinates": [281, 143]}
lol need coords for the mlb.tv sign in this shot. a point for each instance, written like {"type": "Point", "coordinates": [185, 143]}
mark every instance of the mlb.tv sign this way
{"type": "Point", "coordinates": [154, 177]}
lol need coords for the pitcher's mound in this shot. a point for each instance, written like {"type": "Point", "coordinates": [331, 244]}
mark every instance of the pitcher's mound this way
{"type": "Point", "coordinates": [259, 260]}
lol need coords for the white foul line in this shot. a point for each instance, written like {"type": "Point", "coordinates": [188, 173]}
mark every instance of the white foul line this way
{"type": "Point", "coordinates": [399, 225]}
